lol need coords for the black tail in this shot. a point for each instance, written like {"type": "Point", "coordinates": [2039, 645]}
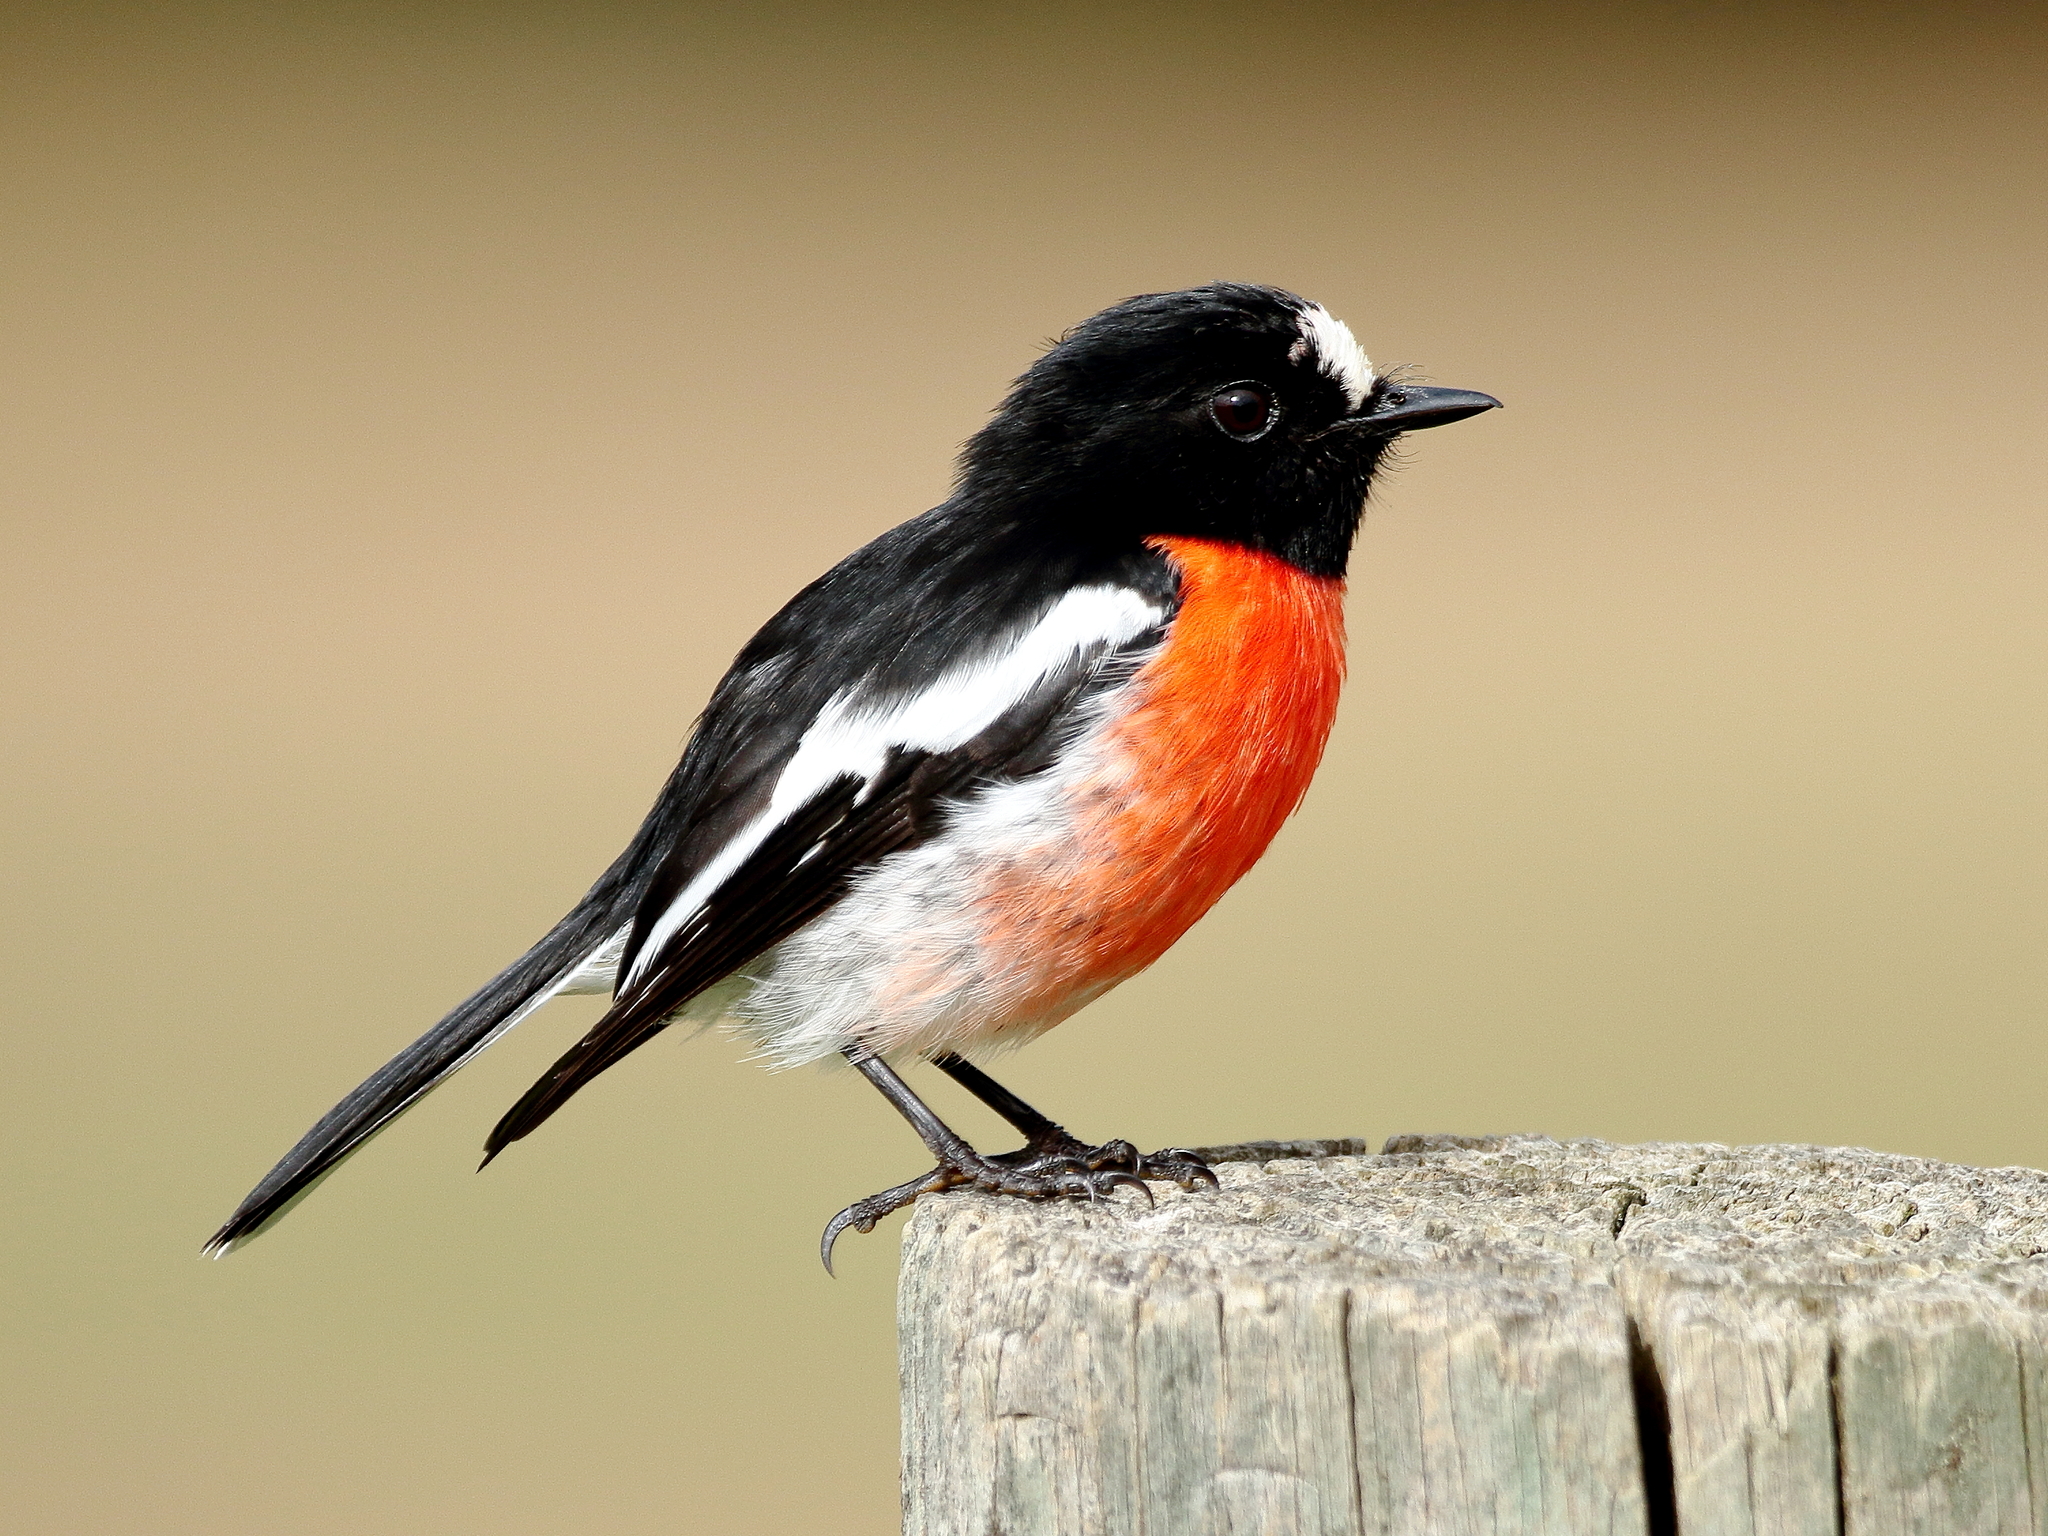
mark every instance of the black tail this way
{"type": "Point", "coordinates": [401, 1082]}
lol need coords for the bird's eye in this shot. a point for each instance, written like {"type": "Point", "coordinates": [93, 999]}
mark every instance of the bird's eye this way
{"type": "Point", "coordinates": [1243, 410]}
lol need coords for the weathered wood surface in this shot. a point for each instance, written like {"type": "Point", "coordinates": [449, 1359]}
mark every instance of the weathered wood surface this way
{"type": "Point", "coordinates": [1487, 1335]}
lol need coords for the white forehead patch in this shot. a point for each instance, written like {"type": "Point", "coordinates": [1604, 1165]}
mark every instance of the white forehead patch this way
{"type": "Point", "coordinates": [1336, 351]}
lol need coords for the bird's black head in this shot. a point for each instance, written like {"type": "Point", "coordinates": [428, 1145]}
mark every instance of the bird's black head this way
{"type": "Point", "coordinates": [1230, 412]}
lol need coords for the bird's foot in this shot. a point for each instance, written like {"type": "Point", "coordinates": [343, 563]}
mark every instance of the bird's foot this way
{"type": "Point", "coordinates": [1180, 1165]}
{"type": "Point", "coordinates": [1053, 1167]}
{"type": "Point", "coordinates": [1174, 1165]}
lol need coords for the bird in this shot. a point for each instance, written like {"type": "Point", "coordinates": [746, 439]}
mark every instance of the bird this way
{"type": "Point", "coordinates": [994, 762]}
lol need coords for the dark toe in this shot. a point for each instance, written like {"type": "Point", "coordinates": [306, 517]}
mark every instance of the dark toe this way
{"type": "Point", "coordinates": [1114, 1154]}
{"type": "Point", "coordinates": [1185, 1168]}
{"type": "Point", "coordinates": [863, 1214]}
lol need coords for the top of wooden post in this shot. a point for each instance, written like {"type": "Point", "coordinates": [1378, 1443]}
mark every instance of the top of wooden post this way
{"type": "Point", "coordinates": [1433, 1204]}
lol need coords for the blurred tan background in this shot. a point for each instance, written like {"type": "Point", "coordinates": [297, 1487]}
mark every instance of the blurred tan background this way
{"type": "Point", "coordinates": [409, 410]}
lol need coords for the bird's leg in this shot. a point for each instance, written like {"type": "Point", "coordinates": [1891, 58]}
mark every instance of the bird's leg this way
{"type": "Point", "coordinates": [1046, 1142]}
{"type": "Point", "coordinates": [1033, 1178]}
{"type": "Point", "coordinates": [1038, 1131]}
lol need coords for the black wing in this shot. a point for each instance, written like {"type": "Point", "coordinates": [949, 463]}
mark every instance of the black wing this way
{"type": "Point", "coordinates": [813, 854]}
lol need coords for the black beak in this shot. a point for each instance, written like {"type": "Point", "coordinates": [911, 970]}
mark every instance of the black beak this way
{"type": "Point", "coordinates": [1411, 407]}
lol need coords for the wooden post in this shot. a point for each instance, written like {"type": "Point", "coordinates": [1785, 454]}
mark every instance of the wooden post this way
{"type": "Point", "coordinates": [1464, 1336]}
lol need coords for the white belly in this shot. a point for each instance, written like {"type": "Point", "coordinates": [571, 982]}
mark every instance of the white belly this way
{"type": "Point", "coordinates": [905, 964]}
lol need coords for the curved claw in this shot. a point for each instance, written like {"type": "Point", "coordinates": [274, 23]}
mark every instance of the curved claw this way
{"type": "Point", "coordinates": [833, 1228]}
{"type": "Point", "coordinates": [1076, 1183]}
{"type": "Point", "coordinates": [863, 1214]}
{"type": "Point", "coordinates": [1116, 1180]}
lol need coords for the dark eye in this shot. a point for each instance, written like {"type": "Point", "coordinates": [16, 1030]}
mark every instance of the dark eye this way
{"type": "Point", "coordinates": [1243, 410]}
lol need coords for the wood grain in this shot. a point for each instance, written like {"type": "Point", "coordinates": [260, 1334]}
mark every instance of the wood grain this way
{"type": "Point", "coordinates": [1487, 1335]}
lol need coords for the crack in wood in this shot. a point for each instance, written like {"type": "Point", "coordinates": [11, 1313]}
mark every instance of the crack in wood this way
{"type": "Point", "coordinates": [1653, 1435]}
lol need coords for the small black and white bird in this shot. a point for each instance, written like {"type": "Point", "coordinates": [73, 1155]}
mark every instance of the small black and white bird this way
{"type": "Point", "coordinates": [994, 762]}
